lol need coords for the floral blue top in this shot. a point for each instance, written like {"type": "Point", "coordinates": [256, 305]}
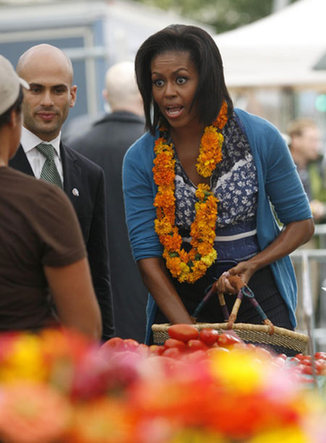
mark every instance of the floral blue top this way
{"type": "Point", "coordinates": [234, 182]}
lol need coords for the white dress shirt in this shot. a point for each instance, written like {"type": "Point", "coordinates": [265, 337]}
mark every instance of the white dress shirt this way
{"type": "Point", "coordinates": [29, 141]}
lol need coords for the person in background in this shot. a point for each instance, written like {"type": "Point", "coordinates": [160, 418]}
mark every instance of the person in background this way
{"type": "Point", "coordinates": [306, 149]}
{"type": "Point", "coordinates": [105, 144]}
{"type": "Point", "coordinates": [42, 254]}
{"type": "Point", "coordinates": [46, 105]}
{"type": "Point", "coordinates": [198, 189]}
{"type": "Point", "coordinates": [305, 143]}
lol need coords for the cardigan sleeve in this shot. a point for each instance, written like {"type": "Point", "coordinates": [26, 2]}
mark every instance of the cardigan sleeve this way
{"type": "Point", "coordinates": [139, 193]}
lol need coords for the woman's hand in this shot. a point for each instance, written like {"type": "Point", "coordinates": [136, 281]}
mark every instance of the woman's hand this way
{"type": "Point", "coordinates": [244, 270]}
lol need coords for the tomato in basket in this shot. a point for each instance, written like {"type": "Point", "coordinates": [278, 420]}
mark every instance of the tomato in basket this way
{"type": "Point", "coordinates": [228, 339]}
{"type": "Point", "coordinates": [196, 345]}
{"type": "Point", "coordinates": [208, 336]}
{"type": "Point", "coordinates": [183, 332]}
{"type": "Point", "coordinates": [174, 343]}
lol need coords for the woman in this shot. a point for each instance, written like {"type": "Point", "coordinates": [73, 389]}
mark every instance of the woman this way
{"type": "Point", "coordinates": [41, 242]}
{"type": "Point", "coordinates": [198, 187]}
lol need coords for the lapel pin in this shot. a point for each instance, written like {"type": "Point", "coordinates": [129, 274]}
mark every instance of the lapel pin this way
{"type": "Point", "coordinates": [75, 192]}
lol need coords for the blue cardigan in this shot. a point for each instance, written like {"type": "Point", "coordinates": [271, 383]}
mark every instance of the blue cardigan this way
{"type": "Point", "coordinates": [278, 183]}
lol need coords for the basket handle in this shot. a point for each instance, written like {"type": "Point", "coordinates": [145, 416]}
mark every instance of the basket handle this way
{"type": "Point", "coordinates": [242, 291]}
{"type": "Point", "coordinates": [245, 291]}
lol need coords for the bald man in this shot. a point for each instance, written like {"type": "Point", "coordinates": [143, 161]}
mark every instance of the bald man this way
{"type": "Point", "coordinates": [49, 73]}
{"type": "Point", "coordinates": [105, 144]}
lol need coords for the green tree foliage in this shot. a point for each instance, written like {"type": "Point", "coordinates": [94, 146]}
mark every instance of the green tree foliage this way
{"type": "Point", "coordinates": [222, 15]}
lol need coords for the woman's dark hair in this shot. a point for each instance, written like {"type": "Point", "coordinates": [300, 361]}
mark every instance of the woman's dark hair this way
{"type": "Point", "coordinates": [17, 106]}
{"type": "Point", "coordinates": [211, 89]}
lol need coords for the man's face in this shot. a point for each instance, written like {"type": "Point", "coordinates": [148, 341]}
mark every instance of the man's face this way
{"type": "Point", "coordinates": [312, 141]}
{"type": "Point", "coordinates": [309, 143]}
{"type": "Point", "coordinates": [46, 105]}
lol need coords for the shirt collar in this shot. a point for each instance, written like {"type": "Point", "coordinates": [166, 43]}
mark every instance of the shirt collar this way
{"type": "Point", "coordinates": [30, 140]}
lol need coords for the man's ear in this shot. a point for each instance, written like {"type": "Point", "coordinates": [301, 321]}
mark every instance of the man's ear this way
{"type": "Point", "coordinates": [73, 95]}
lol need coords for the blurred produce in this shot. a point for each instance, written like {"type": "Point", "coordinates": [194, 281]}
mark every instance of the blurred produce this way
{"type": "Point", "coordinates": [58, 387]}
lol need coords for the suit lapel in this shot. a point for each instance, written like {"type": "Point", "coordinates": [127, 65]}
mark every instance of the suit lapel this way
{"type": "Point", "coordinates": [71, 173]}
{"type": "Point", "coordinates": [20, 162]}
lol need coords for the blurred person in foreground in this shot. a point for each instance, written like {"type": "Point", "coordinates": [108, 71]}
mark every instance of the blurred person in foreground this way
{"type": "Point", "coordinates": [198, 187]}
{"type": "Point", "coordinates": [42, 255]}
{"type": "Point", "coordinates": [45, 108]}
{"type": "Point", "coordinates": [106, 144]}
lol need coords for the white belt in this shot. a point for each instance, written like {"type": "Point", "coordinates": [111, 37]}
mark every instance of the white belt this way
{"type": "Point", "coordinates": [228, 237]}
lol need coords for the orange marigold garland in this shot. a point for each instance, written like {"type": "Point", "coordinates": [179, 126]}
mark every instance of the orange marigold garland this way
{"type": "Point", "coordinates": [188, 266]}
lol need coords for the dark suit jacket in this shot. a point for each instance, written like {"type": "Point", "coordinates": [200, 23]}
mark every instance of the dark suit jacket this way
{"type": "Point", "coordinates": [84, 184]}
{"type": "Point", "coordinates": [105, 144]}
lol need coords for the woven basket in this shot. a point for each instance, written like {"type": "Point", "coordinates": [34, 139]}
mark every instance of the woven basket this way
{"type": "Point", "coordinates": [257, 334]}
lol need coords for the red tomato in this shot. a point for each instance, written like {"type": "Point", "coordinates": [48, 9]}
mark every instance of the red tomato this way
{"type": "Point", "coordinates": [174, 343]}
{"type": "Point", "coordinates": [130, 344]}
{"type": "Point", "coordinates": [227, 339]}
{"type": "Point", "coordinates": [183, 332]}
{"type": "Point", "coordinates": [322, 369]}
{"type": "Point", "coordinates": [300, 356]}
{"type": "Point", "coordinates": [171, 352]}
{"type": "Point", "coordinates": [320, 365]}
{"type": "Point", "coordinates": [306, 360]}
{"type": "Point", "coordinates": [320, 355]}
{"type": "Point", "coordinates": [306, 369]}
{"type": "Point", "coordinates": [115, 343]}
{"type": "Point", "coordinates": [156, 349]}
{"type": "Point", "coordinates": [196, 345]}
{"type": "Point", "coordinates": [208, 336]}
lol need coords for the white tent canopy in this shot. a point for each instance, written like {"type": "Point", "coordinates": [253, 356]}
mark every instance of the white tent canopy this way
{"type": "Point", "coordinates": [280, 50]}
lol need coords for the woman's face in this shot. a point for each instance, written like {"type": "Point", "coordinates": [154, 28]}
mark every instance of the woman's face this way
{"type": "Point", "coordinates": [174, 84]}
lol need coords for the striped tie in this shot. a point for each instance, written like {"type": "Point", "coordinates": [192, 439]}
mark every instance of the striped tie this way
{"type": "Point", "coordinates": [49, 171]}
